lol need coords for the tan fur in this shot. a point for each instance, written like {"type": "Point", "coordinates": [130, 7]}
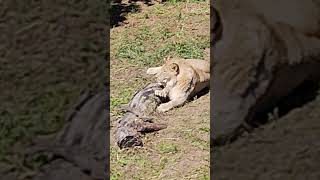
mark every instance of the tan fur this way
{"type": "Point", "coordinates": [184, 78]}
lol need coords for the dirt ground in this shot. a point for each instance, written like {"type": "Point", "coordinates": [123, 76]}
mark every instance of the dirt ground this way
{"type": "Point", "coordinates": [50, 52]}
{"type": "Point", "coordinates": [287, 148]}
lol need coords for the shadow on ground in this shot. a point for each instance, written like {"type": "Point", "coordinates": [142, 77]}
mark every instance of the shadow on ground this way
{"type": "Point", "coordinates": [119, 9]}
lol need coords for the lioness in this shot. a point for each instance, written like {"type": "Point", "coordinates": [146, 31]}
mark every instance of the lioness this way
{"type": "Point", "coordinates": [184, 78]}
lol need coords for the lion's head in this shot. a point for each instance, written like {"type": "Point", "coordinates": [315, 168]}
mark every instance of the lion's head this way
{"type": "Point", "coordinates": [168, 72]}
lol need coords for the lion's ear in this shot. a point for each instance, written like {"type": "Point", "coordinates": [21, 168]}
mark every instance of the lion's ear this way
{"type": "Point", "coordinates": [167, 59]}
{"type": "Point", "coordinates": [174, 67]}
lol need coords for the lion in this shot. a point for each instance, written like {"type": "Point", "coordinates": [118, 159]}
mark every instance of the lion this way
{"type": "Point", "coordinates": [183, 79]}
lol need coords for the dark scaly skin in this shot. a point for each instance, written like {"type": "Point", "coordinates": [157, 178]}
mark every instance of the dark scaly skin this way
{"type": "Point", "coordinates": [144, 102]}
{"type": "Point", "coordinates": [136, 121]}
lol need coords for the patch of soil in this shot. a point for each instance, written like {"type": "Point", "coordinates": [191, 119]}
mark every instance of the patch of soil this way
{"type": "Point", "coordinates": [50, 52]}
{"type": "Point", "coordinates": [287, 148]}
{"type": "Point", "coordinates": [189, 119]}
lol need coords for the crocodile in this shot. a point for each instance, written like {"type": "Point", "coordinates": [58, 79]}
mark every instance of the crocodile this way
{"type": "Point", "coordinates": [137, 118]}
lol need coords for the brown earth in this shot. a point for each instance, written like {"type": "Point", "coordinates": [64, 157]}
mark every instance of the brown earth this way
{"type": "Point", "coordinates": [287, 148]}
{"type": "Point", "coordinates": [50, 52]}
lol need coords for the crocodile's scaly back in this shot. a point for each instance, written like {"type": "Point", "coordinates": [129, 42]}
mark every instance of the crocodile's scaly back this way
{"type": "Point", "coordinates": [145, 102]}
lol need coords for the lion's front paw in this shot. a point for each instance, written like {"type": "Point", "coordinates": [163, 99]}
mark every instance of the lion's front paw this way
{"type": "Point", "coordinates": [160, 93]}
{"type": "Point", "coordinates": [153, 71]}
{"type": "Point", "coordinates": [163, 108]}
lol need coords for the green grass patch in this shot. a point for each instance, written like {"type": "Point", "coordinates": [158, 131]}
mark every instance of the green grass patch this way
{"type": "Point", "coordinates": [168, 148]}
{"type": "Point", "coordinates": [137, 53]}
{"type": "Point", "coordinates": [194, 138]}
{"type": "Point", "coordinates": [128, 159]}
{"type": "Point", "coordinates": [205, 129]}
{"type": "Point", "coordinates": [163, 162]}
{"type": "Point", "coordinates": [44, 115]}
{"type": "Point", "coordinates": [123, 97]}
